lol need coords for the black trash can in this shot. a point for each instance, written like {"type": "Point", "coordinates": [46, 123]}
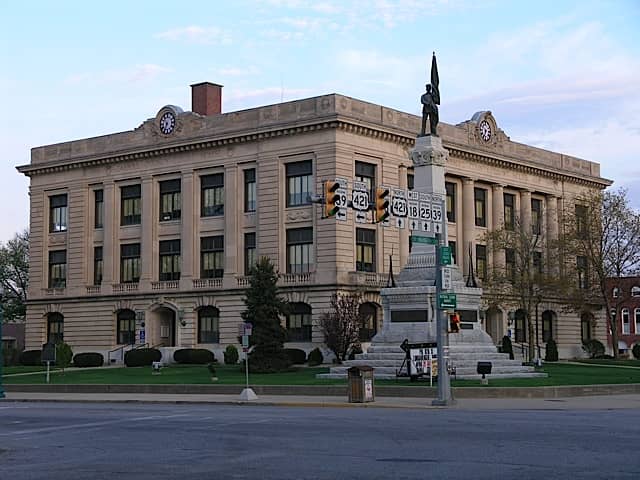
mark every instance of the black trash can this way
{"type": "Point", "coordinates": [360, 384]}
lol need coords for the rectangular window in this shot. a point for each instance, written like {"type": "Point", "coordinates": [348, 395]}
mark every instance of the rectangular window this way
{"type": "Point", "coordinates": [299, 183]}
{"type": "Point", "coordinates": [481, 261]}
{"type": "Point", "coordinates": [537, 262]}
{"type": "Point", "coordinates": [130, 263]}
{"type": "Point", "coordinates": [212, 195]}
{"type": "Point", "coordinates": [480, 195]}
{"type": "Point", "coordinates": [510, 264]}
{"type": "Point", "coordinates": [547, 328]}
{"type": "Point", "coordinates": [208, 325]}
{"type": "Point", "coordinates": [536, 216]}
{"type": "Point", "coordinates": [299, 250]}
{"type": "Point", "coordinates": [250, 190]}
{"type": "Point", "coordinates": [126, 329]}
{"type": "Point", "coordinates": [97, 265]}
{"type": "Point", "coordinates": [365, 250]}
{"type": "Point", "coordinates": [626, 325]}
{"type": "Point", "coordinates": [452, 247]}
{"type": "Point", "coordinates": [130, 205]}
{"type": "Point", "coordinates": [366, 173]}
{"type": "Point", "coordinates": [98, 208]}
{"type": "Point", "coordinates": [581, 221]}
{"type": "Point", "coordinates": [249, 252]}
{"type": "Point", "coordinates": [170, 200]}
{"type": "Point", "coordinates": [451, 201]}
{"type": "Point", "coordinates": [410, 181]}
{"type": "Point", "coordinates": [212, 257]}
{"type": "Point", "coordinates": [636, 314]}
{"type": "Point", "coordinates": [583, 272]}
{"type": "Point", "coordinates": [58, 269]}
{"type": "Point", "coordinates": [58, 213]}
{"type": "Point", "coordinates": [169, 260]}
{"type": "Point", "coordinates": [509, 211]}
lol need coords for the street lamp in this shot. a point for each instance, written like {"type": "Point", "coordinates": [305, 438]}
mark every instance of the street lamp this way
{"type": "Point", "coordinates": [1, 352]}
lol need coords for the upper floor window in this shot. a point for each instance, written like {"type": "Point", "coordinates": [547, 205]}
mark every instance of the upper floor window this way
{"type": "Point", "coordinates": [299, 183]}
{"type": "Point", "coordinates": [58, 213]}
{"type": "Point", "coordinates": [581, 220]}
{"type": "Point", "coordinates": [126, 328]}
{"type": "Point", "coordinates": [615, 293]}
{"type": "Point", "coordinates": [299, 323]}
{"type": "Point", "coordinates": [451, 201]}
{"type": "Point", "coordinates": [635, 291]}
{"type": "Point", "coordinates": [249, 252]}
{"type": "Point", "coordinates": [538, 267]}
{"type": "Point", "coordinates": [480, 195]}
{"type": "Point", "coordinates": [212, 195]}
{"type": "Point", "coordinates": [366, 173]}
{"type": "Point", "coordinates": [169, 260]}
{"type": "Point", "coordinates": [98, 208]}
{"type": "Point", "coordinates": [411, 180]}
{"type": "Point", "coordinates": [250, 190]}
{"type": "Point", "coordinates": [626, 328]}
{"type": "Point", "coordinates": [130, 263]}
{"type": "Point", "coordinates": [509, 211]}
{"type": "Point", "coordinates": [208, 325]}
{"type": "Point", "coordinates": [583, 272]}
{"type": "Point", "coordinates": [299, 250]}
{"type": "Point", "coordinates": [536, 216]}
{"type": "Point", "coordinates": [365, 250]}
{"type": "Point", "coordinates": [170, 201]}
{"type": "Point", "coordinates": [510, 264]}
{"type": "Point", "coordinates": [481, 261]}
{"type": "Point", "coordinates": [58, 269]}
{"type": "Point", "coordinates": [97, 265]}
{"type": "Point", "coordinates": [212, 257]}
{"type": "Point", "coordinates": [131, 205]}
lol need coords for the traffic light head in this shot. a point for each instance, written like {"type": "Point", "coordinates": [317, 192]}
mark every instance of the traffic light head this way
{"type": "Point", "coordinates": [330, 198]}
{"type": "Point", "coordinates": [382, 204]}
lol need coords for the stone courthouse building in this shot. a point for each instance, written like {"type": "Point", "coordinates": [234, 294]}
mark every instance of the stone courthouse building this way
{"type": "Point", "coordinates": [146, 236]}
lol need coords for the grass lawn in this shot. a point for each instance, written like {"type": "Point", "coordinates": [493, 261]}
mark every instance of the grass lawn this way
{"type": "Point", "coordinates": [608, 361]}
{"type": "Point", "coordinates": [23, 369]}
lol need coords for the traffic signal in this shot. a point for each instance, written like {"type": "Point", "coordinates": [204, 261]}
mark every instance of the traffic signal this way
{"type": "Point", "coordinates": [382, 204]}
{"type": "Point", "coordinates": [330, 198]}
{"type": "Point", "coordinates": [454, 323]}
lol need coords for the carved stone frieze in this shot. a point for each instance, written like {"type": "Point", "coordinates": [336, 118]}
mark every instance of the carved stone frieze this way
{"type": "Point", "coordinates": [299, 215]}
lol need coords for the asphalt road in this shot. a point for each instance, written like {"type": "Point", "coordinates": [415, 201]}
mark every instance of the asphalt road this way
{"type": "Point", "coordinates": [153, 441]}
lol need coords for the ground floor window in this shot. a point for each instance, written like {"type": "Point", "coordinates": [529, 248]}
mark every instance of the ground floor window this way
{"type": "Point", "coordinates": [208, 325]}
{"type": "Point", "coordinates": [55, 328]}
{"type": "Point", "coordinates": [126, 328]}
{"type": "Point", "coordinates": [369, 326]}
{"type": "Point", "coordinates": [299, 323]}
{"type": "Point", "coordinates": [585, 327]}
{"type": "Point", "coordinates": [547, 326]}
{"type": "Point", "coordinates": [521, 326]}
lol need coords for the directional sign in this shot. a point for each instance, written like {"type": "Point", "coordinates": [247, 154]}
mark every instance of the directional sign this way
{"type": "Point", "coordinates": [341, 202]}
{"type": "Point", "coordinates": [447, 301]}
{"type": "Point", "coordinates": [414, 209]}
{"type": "Point", "coordinates": [445, 255]}
{"type": "Point", "coordinates": [399, 207]}
{"type": "Point", "coordinates": [414, 224]}
{"type": "Point", "coordinates": [425, 226]}
{"type": "Point", "coordinates": [360, 197]}
{"type": "Point", "coordinates": [361, 217]}
{"type": "Point", "coordinates": [446, 278]}
{"type": "Point", "coordinates": [400, 222]}
{"type": "Point", "coordinates": [425, 240]}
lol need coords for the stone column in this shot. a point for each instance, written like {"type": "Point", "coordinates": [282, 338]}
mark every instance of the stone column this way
{"type": "Point", "coordinates": [188, 234]}
{"type": "Point", "coordinates": [525, 210]}
{"type": "Point", "coordinates": [404, 232]}
{"type": "Point", "coordinates": [468, 222]}
{"type": "Point", "coordinates": [552, 217]}
{"type": "Point", "coordinates": [149, 228]}
{"type": "Point", "coordinates": [110, 246]}
{"type": "Point", "coordinates": [232, 211]}
{"type": "Point", "coordinates": [498, 222]}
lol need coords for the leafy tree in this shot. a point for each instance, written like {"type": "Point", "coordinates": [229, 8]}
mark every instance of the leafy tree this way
{"type": "Point", "coordinates": [64, 354]}
{"type": "Point", "coordinates": [14, 275]}
{"type": "Point", "coordinates": [603, 232]}
{"type": "Point", "coordinates": [341, 324]}
{"type": "Point", "coordinates": [263, 309]}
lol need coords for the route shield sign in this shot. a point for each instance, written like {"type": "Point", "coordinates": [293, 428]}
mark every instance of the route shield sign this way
{"type": "Point", "coordinates": [360, 197]}
{"type": "Point", "coordinates": [399, 206]}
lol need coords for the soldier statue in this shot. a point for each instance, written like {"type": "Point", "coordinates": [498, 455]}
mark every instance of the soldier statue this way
{"type": "Point", "coordinates": [430, 101]}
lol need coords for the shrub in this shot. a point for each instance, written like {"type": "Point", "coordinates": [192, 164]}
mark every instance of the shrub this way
{"type": "Point", "coordinates": [230, 355]}
{"type": "Point", "coordinates": [141, 357]}
{"type": "Point", "coordinates": [636, 351]}
{"type": "Point", "coordinates": [507, 346]}
{"type": "Point", "coordinates": [88, 359]}
{"type": "Point", "coordinates": [355, 350]}
{"type": "Point", "coordinates": [551, 352]}
{"type": "Point", "coordinates": [32, 358]}
{"type": "Point", "coordinates": [594, 348]}
{"type": "Point", "coordinates": [10, 356]}
{"type": "Point", "coordinates": [268, 359]}
{"type": "Point", "coordinates": [194, 356]}
{"type": "Point", "coordinates": [296, 356]}
{"type": "Point", "coordinates": [315, 357]}
{"type": "Point", "coordinates": [64, 355]}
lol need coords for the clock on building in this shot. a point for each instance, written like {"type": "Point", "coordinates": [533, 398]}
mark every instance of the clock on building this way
{"type": "Point", "coordinates": [485, 130]}
{"type": "Point", "coordinates": [167, 123]}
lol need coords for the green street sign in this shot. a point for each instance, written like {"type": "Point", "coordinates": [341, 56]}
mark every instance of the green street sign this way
{"type": "Point", "coordinates": [445, 255]}
{"type": "Point", "coordinates": [426, 240]}
{"type": "Point", "coordinates": [447, 301]}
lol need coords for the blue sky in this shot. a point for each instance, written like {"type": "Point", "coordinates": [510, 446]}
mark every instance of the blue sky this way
{"type": "Point", "coordinates": [563, 75]}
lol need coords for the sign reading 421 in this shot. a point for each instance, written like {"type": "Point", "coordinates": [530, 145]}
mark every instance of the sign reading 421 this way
{"type": "Point", "coordinates": [399, 206]}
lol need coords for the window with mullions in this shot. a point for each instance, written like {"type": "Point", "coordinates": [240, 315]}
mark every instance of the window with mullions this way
{"type": "Point", "coordinates": [536, 216]}
{"type": "Point", "coordinates": [130, 205]}
{"type": "Point", "coordinates": [451, 201]}
{"type": "Point", "coordinates": [410, 181]}
{"type": "Point", "coordinates": [581, 220]}
{"type": "Point", "coordinates": [98, 208]}
{"type": "Point", "coordinates": [636, 316]}
{"type": "Point", "coordinates": [299, 323]}
{"type": "Point", "coordinates": [250, 190]}
{"type": "Point", "coordinates": [585, 327]}
{"type": "Point", "coordinates": [208, 325]}
{"type": "Point", "coordinates": [369, 326]}
{"type": "Point", "coordinates": [126, 328]}
{"type": "Point", "coordinates": [249, 252]}
{"type": "Point", "coordinates": [58, 269]}
{"type": "Point", "coordinates": [365, 250]}
{"type": "Point", "coordinates": [547, 326]}
{"type": "Point", "coordinates": [58, 213]}
{"type": "Point", "coordinates": [366, 173]}
{"type": "Point", "coordinates": [510, 264]}
{"type": "Point", "coordinates": [170, 200]}
{"type": "Point", "coordinates": [538, 267]}
{"type": "Point", "coordinates": [480, 196]}
{"type": "Point", "coordinates": [583, 272]}
{"type": "Point", "coordinates": [299, 183]}
{"type": "Point", "coordinates": [55, 328]}
{"type": "Point", "coordinates": [509, 211]}
{"type": "Point", "coordinates": [452, 247]}
{"type": "Point", "coordinates": [626, 326]}
{"type": "Point", "coordinates": [521, 326]}
{"type": "Point", "coordinates": [212, 195]}
{"type": "Point", "coordinates": [169, 260]}
{"type": "Point", "coordinates": [299, 250]}
{"type": "Point", "coordinates": [130, 263]}
{"type": "Point", "coordinates": [212, 257]}
{"type": "Point", "coordinates": [481, 261]}
{"type": "Point", "coordinates": [97, 265]}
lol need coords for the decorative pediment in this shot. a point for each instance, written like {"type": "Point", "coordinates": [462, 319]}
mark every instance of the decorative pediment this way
{"type": "Point", "coordinates": [483, 130]}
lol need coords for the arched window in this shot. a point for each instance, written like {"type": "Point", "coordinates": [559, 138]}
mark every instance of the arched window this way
{"type": "Point", "coordinates": [208, 325]}
{"type": "Point", "coordinates": [521, 326]}
{"type": "Point", "coordinates": [635, 291]}
{"type": "Point", "coordinates": [626, 327]}
{"type": "Point", "coordinates": [636, 315]}
{"type": "Point", "coordinates": [369, 327]}
{"type": "Point", "coordinates": [615, 292]}
{"type": "Point", "coordinates": [55, 328]}
{"type": "Point", "coordinates": [126, 328]}
{"type": "Point", "coordinates": [585, 327]}
{"type": "Point", "coordinates": [548, 318]}
{"type": "Point", "coordinates": [299, 323]}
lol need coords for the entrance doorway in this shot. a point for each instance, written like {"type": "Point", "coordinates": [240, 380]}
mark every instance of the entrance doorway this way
{"type": "Point", "coordinates": [165, 334]}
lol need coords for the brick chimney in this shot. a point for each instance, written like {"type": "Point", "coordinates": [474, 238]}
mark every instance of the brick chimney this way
{"type": "Point", "coordinates": [206, 98]}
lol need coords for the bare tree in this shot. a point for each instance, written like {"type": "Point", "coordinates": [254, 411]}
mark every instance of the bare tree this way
{"type": "Point", "coordinates": [602, 233]}
{"type": "Point", "coordinates": [341, 324]}
{"type": "Point", "coordinates": [14, 275]}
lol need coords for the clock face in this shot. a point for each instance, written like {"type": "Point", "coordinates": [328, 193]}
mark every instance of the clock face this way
{"type": "Point", "coordinates": [167, 123]}
{"type": "Point", "coordinates": [485, 130]}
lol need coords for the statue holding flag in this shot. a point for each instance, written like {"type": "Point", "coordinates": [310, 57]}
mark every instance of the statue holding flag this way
{"type": "Point", "coordinates": [430, 101]}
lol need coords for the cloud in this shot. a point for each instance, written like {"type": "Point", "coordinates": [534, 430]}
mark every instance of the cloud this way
{"type": "Point", "coordinates": [237, 71]}
{"type": "Point", "coordinates": [197, 35]}
{"type": "Point", "coordinates": [137, 74]}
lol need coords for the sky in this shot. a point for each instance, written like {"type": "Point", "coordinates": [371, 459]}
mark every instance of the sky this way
{"type": "Point", "coordinates": [562, 75]}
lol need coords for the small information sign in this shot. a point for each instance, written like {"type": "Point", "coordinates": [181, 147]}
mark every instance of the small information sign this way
{"type": "Point", "coordinates": [445, 255]}
{"type": "Point", "coordinates": [447, 301]}
{"type": "Point", "coordinates": [426, 240]}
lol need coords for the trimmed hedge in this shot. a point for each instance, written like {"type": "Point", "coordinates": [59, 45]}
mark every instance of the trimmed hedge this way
{"type": "Point", "coordinates": [315, 357]}
{"type": "Point", "coordinates": [296, 356]}
{"type": "Point", "coordinates": [231, 355]}
{"type": "Point", "coordinates": [88, 359]}
{"type": "Point", "coordinates": [636, 351]}
{"type": "Point", "coordinates": [594, 348]}
{"type": "Point", "coordinates": [10, 356]}
{"type": "Point", "coordinates": [194, 356]}
{"type": "Point", "coordinates": [142, 357]}
{"type": "Point", "coordinates": [31, 358]}
{"type": "Point", "coordinates": [551, 352]}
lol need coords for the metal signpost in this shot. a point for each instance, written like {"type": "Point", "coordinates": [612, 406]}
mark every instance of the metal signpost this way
{"type": "Point", "coordinates": [246, 330]}
{"type": "Point", "coordinates": [1, 352]}
{"type": "Point", "coordinates": [49, 355]}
